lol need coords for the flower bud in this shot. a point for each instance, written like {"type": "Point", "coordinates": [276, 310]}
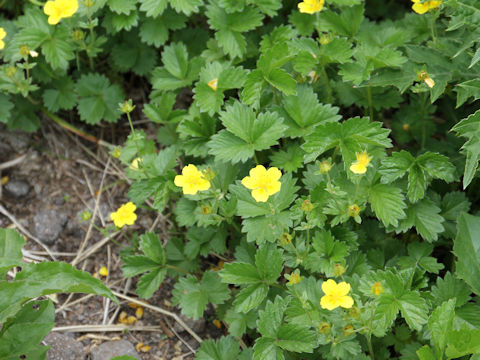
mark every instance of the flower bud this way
{"type": "Point", "coordinates": [338, 270]}
{"type": "Point", "coordinates": [294, 278]}
{"type": "Point", "coordinates": [406, 127]}
{"type": "Point", "coordinates": [325, 166]}
{"type": "Point", "coordinates": [324, 328]}
{"type": "Point", "coordinates": [127, 107]}
{"type": "Point", "coordinates": [285, 239]}
{"type": "Point", "coordinates": [78, 35]}
{"type": "Point", "coordinates": [206, 209]}
{"type": "Point", "coordinates": [348, 330]}
{"type": "Point", "coordinates": [377, 288]}
{"type": "Point", "coordinates": [10, 71]}
{"type": "Point", "coordinates": [24, 51]}
{"type": "Point", "coordinates": [354, 312]}
{"type": "Point", "coordinates": [353, 210]}
{"type": "Point", "coordinates": [307, 205]}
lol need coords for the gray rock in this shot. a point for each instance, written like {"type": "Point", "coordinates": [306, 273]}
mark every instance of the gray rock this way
{"type": "Point", "coordinates": [103, 209]}
{"type": "Point", "coordinates": [17, 188]}
{"type": "Point", "coordinates": [111, 349]}
{"type": "Point", "coordinates": [195, 325]}
{"type": "Point", "coordinates": [63, 347]}
{"type": "Point", "coordinates": [48, 225]}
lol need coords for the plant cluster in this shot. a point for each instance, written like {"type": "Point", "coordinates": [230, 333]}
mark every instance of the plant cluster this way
{"type": "Point", "coordinates": [325, 163]}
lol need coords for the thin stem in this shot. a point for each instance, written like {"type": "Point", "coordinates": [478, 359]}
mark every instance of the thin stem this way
{"type": "Point", "coordinates": [255, 158]}
{"type": "Point", "coordinates": [370, 348]}
{"type": "Point", "coordinates": [176, 268]}
{"type": "Point", "coordinates": [276, 96]}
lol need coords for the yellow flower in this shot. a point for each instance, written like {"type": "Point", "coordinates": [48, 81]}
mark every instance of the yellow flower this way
{"type": "Point", "coordinates": [103, 271]}
{"type": "Point", "coordinates": [213, 84]}
{"type": "Point", "coordinates": [423, 75]}
{"type": "Point", "coordinates": [192, 180]}
{"type": "Point", "coordinates": [335, 295]}
{"type": "Point", "coordinates": [125, 215]}
{"type": "Point", "coordinates": [263, 182]}
{"type": "Point", "coordinates": [422, 8]}
{"type": "Point", "coordinates": [360, 166]}
{"type": "Point", "coordinates": [3, 33]}
{"type": "Point", "coordinates": [58, 9]}
{"type": "Point", "coordinates": [377, 288]}
{"type": "Point", "coordinates": [310, 6]}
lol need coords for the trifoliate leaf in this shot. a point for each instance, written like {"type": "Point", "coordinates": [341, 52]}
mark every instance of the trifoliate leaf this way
{"type": "Point", "coordinates": [244, 133]}
{"type": "Point", "coordinates": [193, 296]}
{"type": "Point", "coordinates": [61, 96]}
{"type": "Point", "coordinates": [289, 160]}
{"type": "Point", "coordinates": [98, 99]}
{"type": "Point", "coordinates": [351, 136]}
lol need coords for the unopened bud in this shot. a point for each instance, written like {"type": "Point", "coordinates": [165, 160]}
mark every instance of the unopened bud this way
{"type": "Point", "coordinates": [338, 270]}
{"type": "Point", "coordinates": [324, 328]}
{"type": "Point", "coordinates": [307, 205]}
{"type": "Point", "coordinates": [325, 166]}
{"type": "Point", "coordinates": [285, 239]}
{"type": "Point", "coordinates": [353, 210]}
{"type": "Point", "coordinates": [127, 107]}
{"type": "Point", "coordinates": [377, 288]}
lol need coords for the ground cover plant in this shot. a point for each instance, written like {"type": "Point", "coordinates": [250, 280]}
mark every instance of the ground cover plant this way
{"type": "Point", "coordinates": [323, 154]}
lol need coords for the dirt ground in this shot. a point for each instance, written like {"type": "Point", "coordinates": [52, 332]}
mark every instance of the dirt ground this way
{"type": "Point", "coordinates": [63, 174]}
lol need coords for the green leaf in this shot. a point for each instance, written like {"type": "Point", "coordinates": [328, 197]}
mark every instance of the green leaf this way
{"type": "Point", "coordinates": [293, 337]}
{"type": "Point", "coordinates": [150, 282]}
{"type": "Point", "coordinates": [440, 323]}
{"type": "Point", "coordinates": [61, 96]}
{"type": "Point", "coordinates": [470, 128]}
{"type": "Point", "coordinates": [244, 133]}
{"type": "Point", "coordinates": [186, 6]}
{"type": "Point", "coordinates": [253, 88]}
{"type": "Point", "coordinates": [193, 296]}
{"type": "Point", "coordinates": [467, 249]}
{"type": "Point", "coordinates": [153, 8]}
{"type": "Point", "coordinates": [6, 107]}
{"type": "Point", "coordinates": [303, 112]}
{"type": "Point", "coordinates": [11, 244]}
{"type": "Point", "coordinates": [347, 23]}
{"type": "Point", "coordinates": [450, 287]}
{"type": "Point", "coordinates": [265, 349]}
{"type": "Point", "coordinates": [35, 319]}
{"type": "Point", "coordinates": [350, 136]}
{"type": "Point", "coordinates": [269, 263]}
{"type": "Point", "coordinates": [414, 310]}
{"type": "Point", "coordinates": [250, 297]}
{"type": "Point", "coordinates": [271, 317]}
{"type": "Point", "coordinates": [58, 48]}
{"type": "Point", "coordinates": [98, 99]}
{"type": "Point", "coordinates": [224, 348]}
{"type": "Point", "coordinates": [238, 322]}
{"type": "Point", "coordinates": [467, 89]}
{"type": "Point", "coordinates": [290, 160]}
{"type": "Point", "coordinates": [424, 215]}
{"type": "Point", "coordinates": [463, 342]}
{"type": "Point", "coordinates": [137, 264]}
{"type": "Point", "coordinates": [282, 80]}
{"type": "Point", "coordinates": [425, 353]}
{"type": "Point", "coordinates": [122, 6]}
{"type": "Point", "coordinates": [387, 203]}
{"type": "Point", "coordinates": [152, 248]}
{"type": "Point", "coordinates": [46, 278]}
{"type": "Point", "coordinates": [129, 54]}
{"type": "Point", "coordinates": [420, 171]}
{"type": "Point", "coordinates": [240, 273]}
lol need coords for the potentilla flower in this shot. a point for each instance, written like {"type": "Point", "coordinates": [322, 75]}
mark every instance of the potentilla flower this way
{"type": "Point", "coordinates": [422, 7]}
{"type": "Point", "coordinates": [360, 166]}
{"type": "Point", "coordinates": [310, 6]}
{"type": "Point", "coordinates": [192, 180]}
{"type": "Point", "coordinates": [125, 215]}
{"type": "Point", "coordinates": [3, 33]}
{"type": "Point", "coordinates": [335, 295]}
{"type": "Point", "coordinates": [263, 182]}
{"type": "Point", "coordinates": [59, 9]}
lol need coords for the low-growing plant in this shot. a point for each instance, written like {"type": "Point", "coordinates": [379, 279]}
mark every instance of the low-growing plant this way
{"type": "Point", "coordinates": [317, 161]}
{"type": "Point", "coordinates": [25, 319]}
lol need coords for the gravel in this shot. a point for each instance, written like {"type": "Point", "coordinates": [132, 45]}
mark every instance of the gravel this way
{"type": "Point", "coordinates": [17, 188]}
{"type": "Point", "coordinates": [63, 347]}
{"type": "Point", "coordinates": [48, 224]}
{"type": "Point", "coordinates": [111, 349]}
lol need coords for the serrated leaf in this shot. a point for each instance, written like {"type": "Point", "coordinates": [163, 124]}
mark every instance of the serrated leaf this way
{"type": "Point", "coordinates": [240, 273]}
{"type": "Point", "coordinates": [350, 136]}
{"type": "Point", "coordinates": [269, 263]}
{"type": "Point", "coordinates": [150, 282]}
{"type": "Point", "coordinates": [450, 287]}
{"type": "Point", "coordinates": [467, 249]}
{"type": "Point", "coordinates": [387, 203]}
{"type": "Point", "coordinates": [153, 8]}
{"type": "Point", "coordinates": [265, 349]}
{"type": "Point", "coordinates": [424, 215]}
{"type": "Point", "coordinates": [244, 133]}
{"type": "Point", "coordinates": [292, 337]}
{"type": "Point", "coordinates": [271, 317]}
{"type": "Point", "coordinates": [238, 322]}
{"type": "Point", "coordinates": [60, 96]}
{"type": "Point", "coordinates": [152, 247]}
{"type": "Point", "coordinates": [98, 99]}
{"type": "Point", "coordinates": [193, 296]}
{"type": "Point", "coordinates": [250, 297]}
{"type": "Point", "coordinates": [224, 348]}
{"type": "Point", "coordinates": [440, 323]}
{"type": "Point", "coordinates": [186, 6]}
{"type": "Point", "coordinates": [463, 342]}
{"type": "Point", "coordinates": [282, 80]}
{"type": "Point", "coordinates": [46, 278]}
{"type": "Point", "coordinates": [467, 89]}
{"type": "Point", "coordinates": [470, 128]}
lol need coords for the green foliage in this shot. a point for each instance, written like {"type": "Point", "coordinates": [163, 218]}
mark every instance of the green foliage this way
{"type": "Point", "coordinates": [229, 85]}
{"type": "Point", "coordinates": [25, 322]}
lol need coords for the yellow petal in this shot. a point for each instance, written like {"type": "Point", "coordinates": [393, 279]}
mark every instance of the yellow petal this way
{"type": "Point", "coordinates": [342, 289]}
{"type": "Point", "coordinates": [258, 171]}
{"type": "Point", "coordinates": [53, 20]}
{"type": "Point", "coordinates": [274, 174]}
{"type": "Point", "coordinates": [2, 44]}
{"type": "Point", "coordinates": [249, 182]}
{"type": "Point", "coordinates": [190, 170]}
{"type": "Point", "coordinates": [357, 168]}
{"type": "Point", "coordinates": [420, 8]}
{"type": "Point", "coordinates": [328, 302]}
{"type": "Point", "coordinates": [203, 185]}
{"type": "Point", "coordinates": [179, 180]}
{"type": "Point", "coordinates": [346, 302]}
{"type": "Point", "coordinates": [260, 195]}
{"type": "Point", "coordinates": [329, 286]}
{"type": "Point", "coordinates": [49, 8]}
